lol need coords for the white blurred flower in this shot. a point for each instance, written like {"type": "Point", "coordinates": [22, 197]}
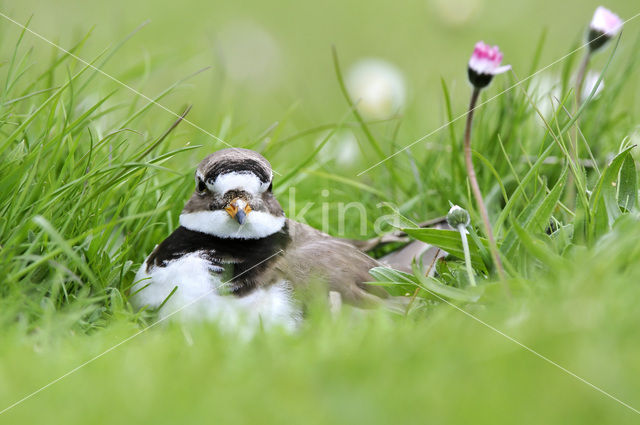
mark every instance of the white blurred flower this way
{"type": "Point", "coordinates": [342, 148]}
{"type": "Point", "coordinates": [544, 90]}
{"type": "Point", "coordinates": [589, 83]}
{"type": "Point", "coordinates": [456, 12]}
{"type": "Point", "coordinates": [249, 54]}
{"type": "Point", "coordinates": [377, 87]}
{"type": "Point", "coordinates": [101, 124]}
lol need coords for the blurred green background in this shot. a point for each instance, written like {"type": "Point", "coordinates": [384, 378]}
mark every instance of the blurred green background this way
{"type": "Point", "coordinates": [270, 71]}
{"type": "Point", "coordinates": [271, 60]}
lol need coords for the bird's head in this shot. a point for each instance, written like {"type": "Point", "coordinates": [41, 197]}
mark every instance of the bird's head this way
{"type": "Point", "coordinates": [233, 197]}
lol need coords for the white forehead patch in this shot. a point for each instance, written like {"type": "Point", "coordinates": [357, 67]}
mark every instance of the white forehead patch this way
{"type": "Point", "coordinates": [246, 181]}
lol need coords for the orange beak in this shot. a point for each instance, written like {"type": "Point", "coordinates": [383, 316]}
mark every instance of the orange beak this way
{"type": "Point", "coordinates": [238, 209]}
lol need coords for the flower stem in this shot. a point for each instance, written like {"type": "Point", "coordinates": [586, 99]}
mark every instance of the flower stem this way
{"type": "Point", "coordinates": [582, 72]}
{"type": "Point", "coordinates": [573, 141]}
{"type": "Point", "coordinates": [467, 255]}
{"type": "Point", "coordinates": [474, 184]}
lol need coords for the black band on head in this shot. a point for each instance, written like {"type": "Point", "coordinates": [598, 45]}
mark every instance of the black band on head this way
{"type": "Point", "coordinates": [239, 166]}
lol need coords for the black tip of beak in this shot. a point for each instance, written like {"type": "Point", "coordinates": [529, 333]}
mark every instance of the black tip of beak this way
{"type": "Point", "coordinates": [241, 216]}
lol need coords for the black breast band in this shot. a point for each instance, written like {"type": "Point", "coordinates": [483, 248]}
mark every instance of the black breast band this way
{"type": "Point", "coordinates": [249, 256]}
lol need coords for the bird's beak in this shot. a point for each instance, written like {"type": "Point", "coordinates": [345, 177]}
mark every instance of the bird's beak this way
{"type": "Point", "coordinates": [238, 209]}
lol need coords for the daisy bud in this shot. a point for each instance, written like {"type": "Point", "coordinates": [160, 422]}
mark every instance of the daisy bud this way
{"type": "Point", "coordinates": [457, 216]}
{"type": "Point", "coordinates": [484, 64]}
{"type": "Point", "coordinates": [604, 26]}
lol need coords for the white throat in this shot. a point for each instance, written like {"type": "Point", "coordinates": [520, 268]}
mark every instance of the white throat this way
{"type": "Point", "coordinates": [257, 225]}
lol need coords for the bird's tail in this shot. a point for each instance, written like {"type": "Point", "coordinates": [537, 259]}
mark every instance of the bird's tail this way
{"type": "Point", "coordinates": [415, 251]}
{"type": "Point", "coordinates": [418, 252]}
{"type": "Point", "coordinates": [403, 258]}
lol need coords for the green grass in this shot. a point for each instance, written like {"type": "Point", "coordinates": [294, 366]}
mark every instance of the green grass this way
{"type": "Point", "coordinates": [92, 176]}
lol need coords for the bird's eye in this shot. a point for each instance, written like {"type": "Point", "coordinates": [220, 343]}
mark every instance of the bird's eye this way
{"type": "Point", "coordinates": [201, 187]}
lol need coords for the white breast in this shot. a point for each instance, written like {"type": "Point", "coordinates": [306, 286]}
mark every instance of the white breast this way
{"type": "Point", "coordinates": [197, 297]}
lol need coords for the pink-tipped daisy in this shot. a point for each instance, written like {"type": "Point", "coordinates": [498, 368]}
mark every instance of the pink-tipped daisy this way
{"type": "Point", "coordinates": [604, 25]}
{"type": "Point", "coordinates": [484, 64]}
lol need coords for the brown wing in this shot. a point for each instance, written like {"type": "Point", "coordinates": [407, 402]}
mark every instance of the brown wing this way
{"type": "Point", "coordinates": [313, 255]}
